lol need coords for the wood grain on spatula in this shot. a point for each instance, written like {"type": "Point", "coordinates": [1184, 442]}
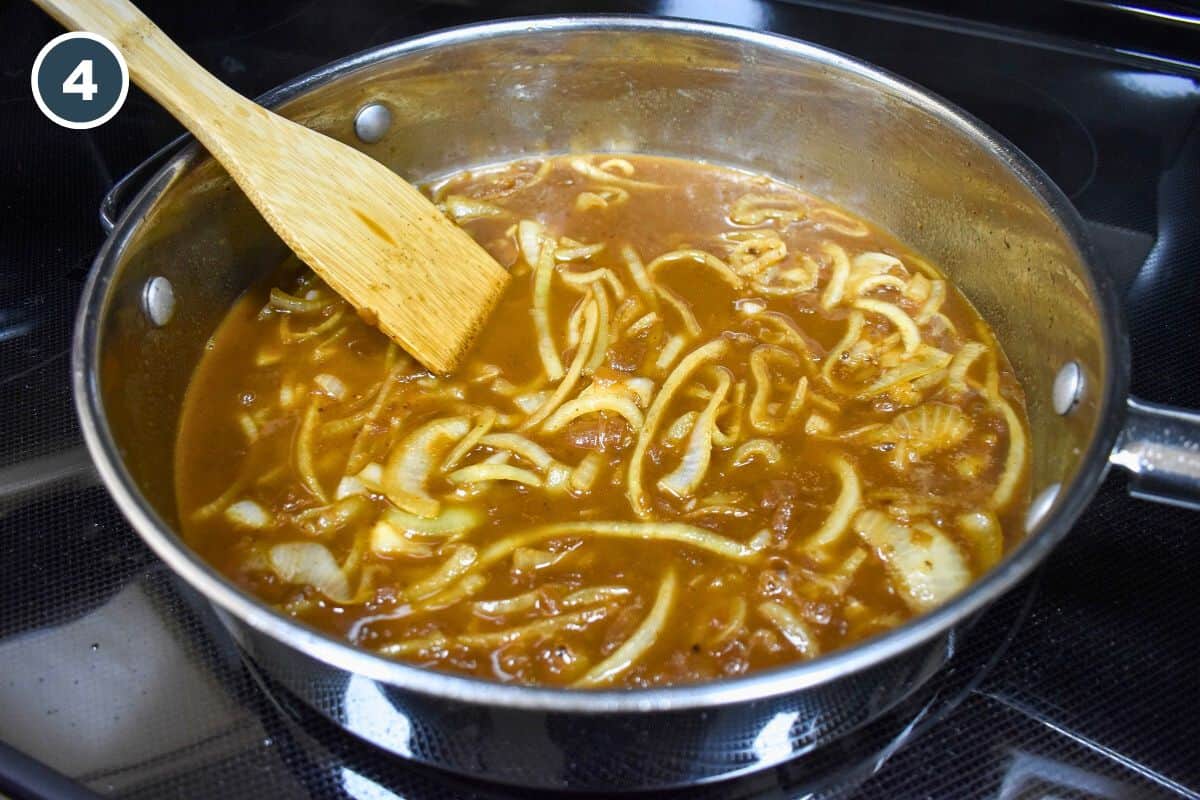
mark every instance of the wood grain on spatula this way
{"type": "Point", "coordinates": [376, 240]}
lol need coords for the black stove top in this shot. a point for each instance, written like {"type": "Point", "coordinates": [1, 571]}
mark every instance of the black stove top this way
{"type": "Point", "coordinates": [116, 679]}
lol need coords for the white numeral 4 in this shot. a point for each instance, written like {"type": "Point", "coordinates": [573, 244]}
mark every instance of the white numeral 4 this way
{"type": "Point", "coordinates": [80, 81]}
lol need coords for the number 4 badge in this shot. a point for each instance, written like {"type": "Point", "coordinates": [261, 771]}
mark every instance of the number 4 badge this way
{"type": "Point", "coordinates": [80, 80]}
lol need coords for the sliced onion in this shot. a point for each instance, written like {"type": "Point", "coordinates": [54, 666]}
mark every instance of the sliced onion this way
{"type": "Point", "coordinates": [530, 239]}
{"type": "Point", "coordinates": [584, 476]}
{"type": "Point", "coordinates": [330, 385]}
{"type": "Point", "coordinates": [371, 476]}
{"type": "Point", "coordinates": [956, 376]}
{"type": "Point", "coordinates": [387, 540]}
{"type": "Point", "coordinates": [483, 473]}
{"type": "Point", "coordinates": [670, 351]}
{"type": "Point", "coordinates": [467, 587]}
{"type": "Point", "coordinates": [839, 221]}
{"type": "Point", "coordinates": [761, 359]}
{"type": "Point", "coordinates": [531, 401]}
{"type": "Point", "coordinates": [788, 623]}
{"type": "Point", "coordinates": [642, 324]}
{"type": "Point", "coordinates": [411, 464]}
{"type": "Point", "coordinates": [603, 329]}
{"type": "Point", "coordinates": [543, 273]}
{"type": "Point", "coordinates": [311, 564]}
{"type": "Point", "coordinates": [848, 501]}
{"type": "Point", "coordinates": [459, 562]}
{"type": "Point", "coordinates": [684, 480]}
{"type": "Point", "coordinates": [984, 531]}
{"type": "Point", "coordinates": [714, 265]}
{"type": "Point", "coordinates": [692, 362]}
{"type": "Point", "coordinates": [538, 629]}
{"type": "Point", "coordinates": [463, 209]}
{"type": "Point", "coordinates": [755, 209]}
{"type": "Point", "coordinates": [603, 197]}
{"type": "Point", "coordinates": [836, 288]}
{"type": "Point", "coordinates": [528, 559]}
{"type": "Point", "coordinates": [640, 279]}
{"type": "Point", "coordinates": [526, 601]}
{"type": "Point", "coordinates": [640, 642]}
{"type": "Point", "coordinates": [1014, 460]}
{"type": "Point", "coordinates": [589, 170]}
{"type": "Point", "coordinates": [686, 315]}
{"type": "Point", "coordinates": [602, 275]}
{"type": "Point", "coordinates": [577, 251]}
{"type": "Point", "coordinates": [303, 451]}
{"type": "Point", "coordinates": [937, 296]}
{"type": "Point", "coordinates": [453, 520]}
{"type": "Point", "coordinates": [765, 449]}
{"type": "Point", "coordinates": [642, 388]}
{"type": "Point", "coordinates": [593, 404]}
{"type": "Point", "coordinates": [567, 385]}
{"type": "Point", "coordinates": [280, 300]}
{"type": "Point", "coordinates": [486, 420]}
{"type": "Point", "coordinates": [325, 521]}
{"type": "Point", "coordinates": [895, 315]}
{"type": "Point", "coordinates": [927, 360]}
{"type": "Point", "coordinates": [249, 426]}
{"type": "Point", "coordinates": [927, 568]}
{"type": "Point", "coordinates": [349, 486]}
{"type": "Point", "coordinates": [753, 255]}
{"type": "Point", "coordinates": [594, 595]}
{"type": "Point", "coordinates": [699, 538]}
{"type": "Point", "coordinates": [414, 647]}
{"type": "Point", "coordinates": [681, 427]}
{"type": "Point", "coordinates": [249, 514]}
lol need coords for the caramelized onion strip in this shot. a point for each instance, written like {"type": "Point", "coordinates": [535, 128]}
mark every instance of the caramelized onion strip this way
{"type": "Point", "coordinates": [937, 296]}
{"type": "Point", "coordinates": [848, 501]}
{"type": "Point", "coordinates": [456, 565]}
{"type": "Point", "coordinates": [542, 277]}
{"type": "Point", "coordinates": [685, 479]}
{"type": "Point", "coordinates": [1014, 460]}
{"type": "Point", "coordinates": [567, 385]}
{"type": "Point", "coordinates": [304, 452]}
{"type": "Point", "coordinates": [642, 640]}
{"type": "Point", "coordinates": [487, 419]}
{"type": "Point", "coordinates": [789, 624]}
{"type": "Point", "coordinates": [654, 416]}
{"type": "Point", "coordinates": [714, 265]}
{"type": "Point", "coordinates": [637, 270]}
{"type": "Point", "coordinates": [539, 628]}
{"type": "Point", "coordinates": [835, 290]}
{"type": "Point", "coordinates": [583, 167]}
{"type": "Point", "coordinates": [765, 449]}
{"type": "Point", "coordinates": [761, 358]}
{"type": "Point", "coordinates": [591, 404]}
{"type": "Point", "coordinates": [677, 532]}
{"type": "Point", "coordinates": [411, 464]}
{"type": "Point", "coordinates": [960, 365]}
{"type": "Point", "coordinates": [484, 473]}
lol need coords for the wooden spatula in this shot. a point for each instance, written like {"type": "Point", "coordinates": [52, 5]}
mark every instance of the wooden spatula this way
{"type": "Point", "coordinates": [371, 236]}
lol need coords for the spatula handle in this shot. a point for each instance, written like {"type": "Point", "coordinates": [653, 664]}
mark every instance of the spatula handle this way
{"type": "Point", "coordinates": [205, 106]}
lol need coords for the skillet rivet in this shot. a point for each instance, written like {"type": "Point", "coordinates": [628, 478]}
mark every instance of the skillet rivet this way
{"type": "Point", "coordinates": [372, 121]}
{"type": "Point", "coordinates": [1068, 388]}
{"type": "Point", "coordinates": [1040, 505]}
{"type": "Point", "coordinates": [158, 301]}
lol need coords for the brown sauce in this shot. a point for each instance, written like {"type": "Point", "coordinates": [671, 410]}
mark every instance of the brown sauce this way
{"type": "Point", "coordinates": [843, 447]}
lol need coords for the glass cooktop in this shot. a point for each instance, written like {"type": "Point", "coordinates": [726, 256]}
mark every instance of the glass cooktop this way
{"type": "Point", "coordinates": [115, 679]}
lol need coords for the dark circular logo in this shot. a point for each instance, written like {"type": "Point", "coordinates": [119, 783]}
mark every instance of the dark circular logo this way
{"type": "Point", "coordinates": [80, 80]}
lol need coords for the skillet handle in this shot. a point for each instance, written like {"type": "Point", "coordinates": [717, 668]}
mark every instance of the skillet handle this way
{"type": "Point", "coordinates": [1160, 449]}
{"type": "Point", "coordinates": [118, 197]}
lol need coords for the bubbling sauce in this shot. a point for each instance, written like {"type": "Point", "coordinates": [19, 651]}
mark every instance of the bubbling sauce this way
{"type": "Point", "coordinates": [715, 425]}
